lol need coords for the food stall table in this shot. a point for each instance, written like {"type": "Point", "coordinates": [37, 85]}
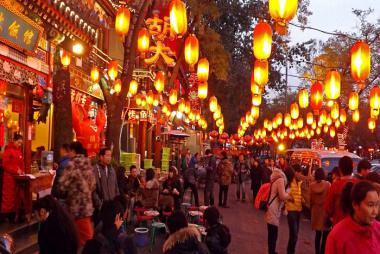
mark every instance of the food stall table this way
{"type": "Point", "coordinates": [27, 185]}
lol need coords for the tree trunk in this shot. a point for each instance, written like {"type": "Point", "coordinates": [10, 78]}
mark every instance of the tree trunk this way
{"type": "Point", "coordinates": [114, 126]}
{"type": "Point", "coordinates": [115, 103]}
{"type": "Point", "coordinates": [62, 119]}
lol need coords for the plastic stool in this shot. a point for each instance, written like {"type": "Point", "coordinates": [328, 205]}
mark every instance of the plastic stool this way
{"type": "Point", "coordinates": [185, 207]}
{"type": "Point", "coordinates": [154, 227]}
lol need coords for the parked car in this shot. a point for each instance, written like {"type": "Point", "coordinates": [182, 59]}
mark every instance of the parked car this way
{"type": "Point", "coordinates": [320, 158]}
{"type": "Point", "coordinates": [376, 167]}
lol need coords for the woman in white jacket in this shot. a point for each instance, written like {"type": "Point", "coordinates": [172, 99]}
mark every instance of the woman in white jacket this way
{"type": "Point", "coordinates": [277, 197]}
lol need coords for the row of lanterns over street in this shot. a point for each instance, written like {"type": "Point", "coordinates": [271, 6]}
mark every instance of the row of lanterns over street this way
{"type": "Point", "coordinates": [178, 27]}
{"type": "Point", "coordinates": [360, 71]}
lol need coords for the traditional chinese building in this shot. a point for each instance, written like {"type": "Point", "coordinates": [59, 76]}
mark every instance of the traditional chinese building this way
{"type": "Point", "coordinates": [25, 80]}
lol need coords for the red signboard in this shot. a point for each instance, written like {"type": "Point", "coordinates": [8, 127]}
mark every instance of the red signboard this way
{"type": "Point", "coordinates": [17, 106]}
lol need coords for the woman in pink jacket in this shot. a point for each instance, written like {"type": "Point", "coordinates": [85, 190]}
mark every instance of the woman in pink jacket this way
{"type": "Point", "coordinates": [359, 232]}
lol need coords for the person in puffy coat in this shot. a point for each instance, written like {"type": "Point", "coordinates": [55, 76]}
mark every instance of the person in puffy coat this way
{"type": "Point", "coordinates": [77, 185]}
{"type": "Point", "coordinates": [183, 239]}
{"type": "Point", "coordinates": [218, 235]}
{"type": "Point", "coordinates": [318, 192]}
{"type": "Point", "coordinates": [277, 197]}
{"type": "Point", "coordinates": [13, 164]}
{"type": "Point", "coordinates": [225, 171]}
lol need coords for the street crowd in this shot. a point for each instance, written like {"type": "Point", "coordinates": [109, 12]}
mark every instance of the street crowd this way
{"type": "Point", "coordinates": [92, 205]}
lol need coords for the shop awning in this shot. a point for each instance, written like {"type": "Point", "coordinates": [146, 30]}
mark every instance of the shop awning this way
{"type": "Point", "coordinates": [176, 133]}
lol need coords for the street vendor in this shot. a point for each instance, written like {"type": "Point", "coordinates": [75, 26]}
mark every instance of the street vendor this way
{"type": "Point", "coordinates": [13, 164]}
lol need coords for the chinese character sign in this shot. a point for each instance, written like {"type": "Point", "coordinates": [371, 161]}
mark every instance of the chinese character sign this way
{"type": "Point", "coordinates": [18, 31]}
{"type": "Point", "coordinates": [160, 29]}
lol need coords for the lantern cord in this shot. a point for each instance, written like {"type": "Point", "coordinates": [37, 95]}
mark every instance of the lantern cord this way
{"type": "Point", "coordinates": [321, 80]}
{"type": "Point", "coordinates": [320, 65]}
{"type": "Point", "coordinates": [325, 32]}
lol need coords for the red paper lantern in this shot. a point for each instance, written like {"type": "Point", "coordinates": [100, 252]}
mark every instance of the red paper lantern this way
{"type": "Point", "coordinates": [191, 50]}
{"type": "Point", "coordinates": [122, 21]}
{"type": "Point", "coordinates": [247, 138]}
{"type": "Point", "coordinates": [316, 96]}
{"type": "Point", "coordinates": [236, 137]}
{"type": "Point", "coordinates": [360, 62]}
{"type": "Point", "coordinates": [214, 134]}
{"type": "Point", "coordinates": [262, 41]}
{"type": "Point", "coordinates": [224, 136]}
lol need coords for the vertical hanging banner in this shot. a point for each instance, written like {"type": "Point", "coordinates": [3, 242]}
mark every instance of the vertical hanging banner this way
{"type": "Point", "coordinates": [193, 92]}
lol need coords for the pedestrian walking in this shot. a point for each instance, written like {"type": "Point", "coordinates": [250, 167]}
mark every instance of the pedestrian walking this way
{"type": "Point", "coordinates": [218, 235]}
{"type": "Point", "coordinates": [225, 171]}
{"type": "Point", "coordinates": [183, 238]}
{"type": "Point", "coordinates": [210, 165]}
{"type": "Point", "coordinates": [62, 164]}
{"type": "Point", "coordinates": [243, 181]}
{"type": "Point", "coordinates": [57, 231]}
{"type": "Point", "coordinates": [277, 197]}
{"type": "Point", "coordinates": [293, 207]}
{"type": "Point", "coordinates": [190, 178]}
{"type": "Point", "coordinates": [332, 206]}
{"type": "Point", "coordinates": [77, 185]}
{"type": "Point", "coordinates": [359, 232]}
{"type": "Point", "coordinates": [106, 181]}
{"type": "Point", "coordinates": [318, 193]}
{"type": "Point", "coordinates": [363, 168]}
{"type": "Point", "coordinates": [256, 180]}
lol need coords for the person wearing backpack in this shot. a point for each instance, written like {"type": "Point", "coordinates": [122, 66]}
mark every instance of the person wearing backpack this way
{"type": "Point", "coordinates": [276, 198]}
{"type": "Point", "coordinates": [218, 235]}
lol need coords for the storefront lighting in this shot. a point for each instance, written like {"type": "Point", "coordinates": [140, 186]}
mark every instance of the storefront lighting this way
{"type": "Point", "coordinates": [78, 48]}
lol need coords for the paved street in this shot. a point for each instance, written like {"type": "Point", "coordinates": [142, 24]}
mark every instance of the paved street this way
{"type": "Point", "coordinates": [248, 229]}
{"type": "Point", "coordinates": [249, 233]}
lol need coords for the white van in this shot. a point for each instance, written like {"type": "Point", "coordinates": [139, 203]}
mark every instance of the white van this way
{"type": "Point", "coordinates": [321, 158]}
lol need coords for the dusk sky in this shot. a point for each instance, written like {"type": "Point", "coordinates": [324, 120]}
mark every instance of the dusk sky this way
{"type": "Point", "coordinates": [330, 15]}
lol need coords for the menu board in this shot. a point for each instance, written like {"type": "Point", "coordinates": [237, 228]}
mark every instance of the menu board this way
{"type": "Point", "coordinates": [129, 159]}
{"type": "Point", "coordinates": [165, 159]}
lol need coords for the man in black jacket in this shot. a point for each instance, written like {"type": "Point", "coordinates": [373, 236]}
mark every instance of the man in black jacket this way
{"type": "Point", "coordinates": [218, 235]}
{"type": "Point", "coordinates": [106, 181]}
{"type": "Point", "coordinates": [210, 165]}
